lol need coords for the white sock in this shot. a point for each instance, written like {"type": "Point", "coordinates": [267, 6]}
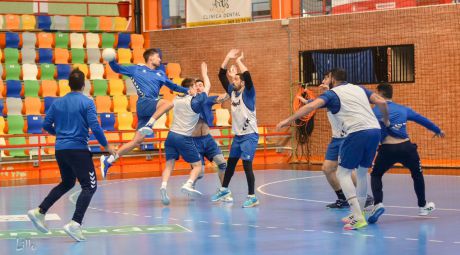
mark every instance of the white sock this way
{"type": "Point", "coordinates": [151, 122]}
{"type": "Point", "coordinates": [112, 158]}
{"type": "Point", "coordinates": [361, 186]}
{"type": "Point", "coordinates": [190, 181]}
{"type": "Point", "coordinates": [164, 184]}
{"type": "Point", "coordinates": [344, 176]}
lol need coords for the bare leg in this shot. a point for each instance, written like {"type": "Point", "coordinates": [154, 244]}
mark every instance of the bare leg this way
{"type": "Point", "coordinates": [129, 146]}
{"type": "Point", "coordinates": [163, 106]}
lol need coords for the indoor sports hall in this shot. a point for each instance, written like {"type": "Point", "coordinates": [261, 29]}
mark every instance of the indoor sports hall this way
{"type": "Point", "coordinates": [76, 76]}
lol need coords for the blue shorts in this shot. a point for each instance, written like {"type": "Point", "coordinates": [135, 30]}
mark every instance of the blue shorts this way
{"type": "Point", "coordinates": [146, 107]}
{"type": "Point", "coordinates": [244, 146]}
{"type": "Point", "coordinates": [359, 149]}
{"type": "Point", "coordinates": [333, 149]}
{"type": "Point", "coordinates": [180, 145]}
{"type": "Point", "coordinates": [207, 147]}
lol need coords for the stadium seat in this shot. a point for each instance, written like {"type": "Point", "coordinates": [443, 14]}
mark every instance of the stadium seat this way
{"type": "Point", "coordinates": [137, 41]}
{"type": "Point", "coordinates": [50, 139]}
{"type": "Point", "coordinates": [48, 101]}
{"type": "Point", "coordinates": [96, 71]}
{"type": "Point", "coordinates": [105, 23]}
{"type": "Point", "coordinates": [34, 140]}
{"type": "Point", "coordinates": [2, 125]}
{"type": "Point", "coordinates": [28, 55]}
{"type": "Point", "coordinates": [214, 133]}
{"type": "Point", "coordinates": [76, 41]}
{"type": "Point", "coordinates": [1, 71]}
{"type": "Point", "coordinates": [12, 71]}
{"type": "Point", "coordinates": [1, 22]}
{"type": "Point", "coordinates": [173, 70]}
{"type": "Point", "coordinates": [45, 56]}
{"type": "Point", "coordinates": [91, 23]}
{"type": "Point", "coordinates": [11, 56]}
{"type": "Point", "coordinates": [226, 141]}
{"type": "Point", "coordinates": [2, 107]}
{"type": "Point", "coordinates": [12, 22]}
{"type": "Point", "coordinates": [116, 87]}
{"type": "Point", "coordinates": [64, 87]}
{"type": "Point", "coordinates": [34, 124]}
{"type": "Point", "coordinates": [13, 88]}
{"type": "Point", "coordinates": [45, 40]}
{"type": "Point", "coordinates": [161, 122]}
{"type": "Point", "coordinates": [29, 40]}
{"type": "Point", "coordinates": [120, 24]}
{"type": "Point", "coordinates": [17, 152]}
{"type": "Point", "coordinates": [49, 88]}
{"type": "Point", "coordinates": [92, 41]}
{"type": "Point", "coordinates": [15, 124]}
{"type": "Point", "coordinates": [78, 56]}
{"type": "Point", "coordinates": [1, 56]}
{"type": "Point", "coordinates": [124, 56]}
{"type": "Point", "coordinates": [125, 122]}
{"type": "Point", "coordinates": [223, 117]}
{"type": "Point", "coordinates": [130, 89]}
{"type": "Point", "coordinates": [108, 40]}
{"type": "Point", "coordinates": [103, 104]}
{"type": "Point", "coordinates": [108, 121]}
{"type": "Point", "coordinates": [47, 71]}
{"type": "Point", "coordinates": [2, 90]}
{"type": "Point", "coordinates": [93, 56]}
{"type": "Point", "coordinates": [14, 106]}
{"type": "Point", "coordinates": [87, 89]}
{"type": "Point", "coordinates": [61, 56]}
{"type": "Point", "coordinates": [28, 22]}
{"type": "Point", "coordinates": [12, 40]}
{"type": "Point", "coordinates": [120, 103]}
{"type": "Point", "coordinates": [63, 71]}
{"type": "Point", "coordinates": [32, 106]}
{"type": "Point", "coordinates": [44, 22]}
{"type": "Point", "coordinates": [60, 23]}
{"type": "Point", "coordinates": [100, 87]}
{"type": "Point", "coordinates": [148, 146]}
{"type": "Point", "coordinates": [83, 67]}
{"type": "Point", "coordinates": [110, 74]}
{"type": "Point", "coordinates": [62, 40]}
{"type": "Point", "coordinates": [138, 56]}
{"type": "Point", "coordinates": [29, 72]}
{"type": "Point", "coordinates": [133, 103]}
{"type": "Point", "coordinates": [31, 88]}
{"type": "Point", "coordinates": [124, 40]}
{"type": "Point", "coordinates": [75, 23]}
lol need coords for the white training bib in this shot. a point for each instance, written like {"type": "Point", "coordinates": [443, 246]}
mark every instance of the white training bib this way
{"type": "Point", "coordinates": [185, 118]}
{"type": "Point", "coordinates": [355, 111]}
{"type": "Point", "coordinates": [336, 126]}
{"type": "Point", "coordinates": [244, 121]}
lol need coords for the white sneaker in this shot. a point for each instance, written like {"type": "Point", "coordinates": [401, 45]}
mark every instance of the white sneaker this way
{"type": "Point", "coordinates": [146, 130]}
{"type": "Point", "coordinates": [228, 199]}
{"type": "Point", "coordinates": [427, 209]}
{"type": "Point", "coordinates": [38, 220]}
{"type": "Point", "coordinates": [73, 229]}
{"type": "Point", "coordinates": [189, 190]}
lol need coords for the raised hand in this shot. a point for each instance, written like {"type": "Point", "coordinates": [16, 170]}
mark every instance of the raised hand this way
{"type": "Point", "coordinates": [233, 53]}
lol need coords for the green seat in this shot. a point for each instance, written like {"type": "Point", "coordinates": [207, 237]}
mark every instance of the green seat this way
{"type": "Point", "coordinates": [100, 87]}
{"type": "Point", "coordinates": [17, 141]}
{"type": "Point", "coordinates": [62, 40]}
{"type": "Point", "coordinates": [108, 40]}
{"type": "Point", "coordinates": [91, 23]}
{"type": "Point", "coordinates": [47, 71]}
{"type": "Point", "coordinates": [15, 124]}
{"type": "Point", "coordinates": [13, 71]}
{"type": "Point", "coordinates": [11, 56]}
{"type": "Point", "coordinates": [78, 56]}
{"type": "Point", "coordinates": [31, 88]}
{"type": "Point", "coordinates": [225, 141]}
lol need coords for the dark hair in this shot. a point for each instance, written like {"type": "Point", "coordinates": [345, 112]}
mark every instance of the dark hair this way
{"type": "Point", "coordinates": [76, 80]}
{"type": "Point", "coordinates": [241, 76]}
{"type": "Point", "coordinates": [339, 74]}
{"type": "Point", "coordinates": [198, 80]}
{"type": "Point", "coordinates": [328, 72]}
{"type": "Point", "coordinates": [386, 89]}
{"type": "Point", "coordinates": [187, 82]}
{"type": "Point", "coordinates": [149, 53]}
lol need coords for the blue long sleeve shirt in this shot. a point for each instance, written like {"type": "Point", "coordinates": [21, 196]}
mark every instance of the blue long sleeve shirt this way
{"type": "Point", "coordinates": [70, 118]}
{"type": "Point", "coordinates": [206, 111]}
{"type": "Point", "coordinates": [147, 81]}
{"type": "Point", "coordinates": [399, 115]}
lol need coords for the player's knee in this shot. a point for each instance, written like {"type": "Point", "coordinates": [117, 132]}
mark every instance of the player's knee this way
{"type": "Point", "coordinates": [68, 185]}
{"type": "Point", "coordinates": [376, 173]}
{"type": "Point", "coordinates": [329, 167]}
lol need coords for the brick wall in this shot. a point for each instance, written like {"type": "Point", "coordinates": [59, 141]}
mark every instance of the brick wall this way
{"type": "Point", "coordinates": [434, 30]}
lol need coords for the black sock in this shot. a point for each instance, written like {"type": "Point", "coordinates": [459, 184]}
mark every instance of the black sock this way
{"type": "Point", "coordinates": [40, 210]}
{"type": "Point", "coordinates": [340, 195]}
{"type": "Point", "coordinates": [249, 176]}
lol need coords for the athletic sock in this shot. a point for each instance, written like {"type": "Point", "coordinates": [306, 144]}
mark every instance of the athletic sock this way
{"type": "Point", "coordinates": [112, 158]}
{"type": "Point", "coordinates": [151, 122]}
{"type": "Point", "coordinates": [164, 184]}
{"type": "Point", "coordinates": [340, 194]}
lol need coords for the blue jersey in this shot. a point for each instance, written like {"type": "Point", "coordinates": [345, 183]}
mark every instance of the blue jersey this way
{"type": "Point", "coordinates": [399, 115]}
{"type": "Point", "coordinates": [206, 112]}
{"type": "Point", "coordinates": [70, 118]}
{"type": "Point", "coordinates": [147, 81]}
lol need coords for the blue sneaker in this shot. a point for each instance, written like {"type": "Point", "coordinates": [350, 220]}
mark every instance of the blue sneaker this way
{"type": "Point", "coordinates": [376, 213]}
{"type": "Point", "coordinates": [251, 201]}
{"type": "Point", "coordinates": [164, 196]}
{"type": "Point", "coordinates": [221, 194]}
{"type": "Point", "coordinates": [105, 165]}
{"type": "Point", "coordinates": [146, 130]}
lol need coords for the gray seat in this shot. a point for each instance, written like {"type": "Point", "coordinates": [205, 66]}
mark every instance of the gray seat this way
{"type": "Point", "coordinates": [60, 23]}
{"type": "Point", "coordinates": [14, 106]}
{"type": "Point", "coordinates": [130, 89]}
{"type": "Point", "coordinates": [94, 56]}
{"type": "Point", "coordinates": [29, 40]}
{"type": "Point", "coordinates": [28, 55]}
{"type": "Point", "coordinates": [87, 88]}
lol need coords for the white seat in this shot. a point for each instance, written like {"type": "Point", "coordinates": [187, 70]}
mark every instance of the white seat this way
{"type": "Point", "coordinates": [29, 72]}
{"type": "Point", "coordinates": [96, 71]}
{"type": "Point", "coordinates": [76, 41]}
{"type": "Point", "coordinates": [92, 41]}
{"type": "Point", "coordinates": [130, 89]}
{"type": "Point", "coordinates": [223, 118]}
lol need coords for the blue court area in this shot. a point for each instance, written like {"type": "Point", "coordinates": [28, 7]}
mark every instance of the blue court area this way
{"type": "Point", "coordinates": [127, 217]}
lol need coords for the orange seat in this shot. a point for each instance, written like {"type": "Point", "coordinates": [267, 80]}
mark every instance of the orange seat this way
{"type": "Point", "coordinates": [49, 88]}
{"type": "Point", "coordinates": [103, 104]}
{"type": "Point", "coordinates": [116, 87]}
{"type": "Point", "coordinates": [28, 22]}
{"type": "Point", "coordinates": [83, 67]}
{"type": "Point", "coordinates": [61, 56]}
{"type": "Point", "coordinates": [2, 90]}
{"type": "Point", "coordinates": [12, 22]}
{"type": "Point", "coordinates": [45, 40]}
{"type": "Point", "coordinates": [32, 105]}
{"type": "Point", "coordinates": [137, 41]}
{"type": "Point", "coordinates": [133, 103]}
{"type": "Point", "coordinates": [173, 70]}
{"type": "Point", "coordinates": [76, 23]}
{"type": "Point", "coordinates": [50, 139]}
{"type": "Point", "coordinates": [105, 23]}
{"type": "Point", "coordinates": [110, 74]}
{"type": "Point", "coordinates": [120, 24]}
{"type": "Point", "coordinates": [64, 87]}
{"type": "Point", "coordinates": [138, 56]}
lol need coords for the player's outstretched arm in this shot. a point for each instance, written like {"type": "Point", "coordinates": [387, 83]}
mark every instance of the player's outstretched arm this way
{"type": "Point", "coordinates": [204, 74]}
{"type": "Point", "coordinates": [304, 110]}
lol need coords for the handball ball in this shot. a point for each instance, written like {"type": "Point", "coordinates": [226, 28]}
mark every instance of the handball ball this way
{"type": "Point", "coordinates": [109, 54]}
